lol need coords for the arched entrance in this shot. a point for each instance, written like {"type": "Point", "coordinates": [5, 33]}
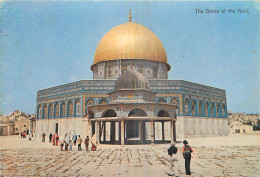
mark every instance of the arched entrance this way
{"type": "Point", "coordinates": [135, 129]}
{"type": "Point", "coordinates": [112, 127]}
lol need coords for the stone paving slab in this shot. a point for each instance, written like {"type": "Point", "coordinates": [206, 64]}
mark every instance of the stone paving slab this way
{"type": "Point", "coordinates": [148, 161]}
{"type": "Point", "coordinates": [42, 159]}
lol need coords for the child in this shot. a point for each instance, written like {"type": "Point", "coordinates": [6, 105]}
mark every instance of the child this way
{"type": "Point", "coordinates": [71, 145]}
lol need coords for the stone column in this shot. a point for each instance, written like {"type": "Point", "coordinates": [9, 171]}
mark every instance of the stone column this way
{"type": "Point", "coordinates": [141, 125]}
{"type": "Point", "coordinates": [163, 136]}
{"type": "Point", "coordinates": [172, 131]}
{"type": "Point", "coordinates": [97, 132]}
{"type": "Point", "coordinates": [104, 131]}
{"type": "Point", "coordinates": [119, 131]}
{"type": "Point", "coordinates": [122, 133]}
{"type": "Point", "coordinates": [152, 133]}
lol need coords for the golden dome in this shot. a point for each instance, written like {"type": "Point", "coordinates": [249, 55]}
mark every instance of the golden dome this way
{"type": "Point", "coordinates": [130, 41]}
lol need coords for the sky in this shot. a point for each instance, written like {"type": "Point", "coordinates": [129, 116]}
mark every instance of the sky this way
{"type": "Point", "coordinates": [45, 44]}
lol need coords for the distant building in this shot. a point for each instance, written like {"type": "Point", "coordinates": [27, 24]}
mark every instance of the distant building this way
{"type": "Point", "coordinates": [237, 127]}
{"type": "Point", "coordinates": [17, 122]}
{"type": "Point", "coordinates": [6, 127]}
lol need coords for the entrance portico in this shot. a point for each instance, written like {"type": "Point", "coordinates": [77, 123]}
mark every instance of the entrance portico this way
{"type": "Point", "coordinates": [130, 130]}
{"type": "Point", "coordinates": [132, 107]}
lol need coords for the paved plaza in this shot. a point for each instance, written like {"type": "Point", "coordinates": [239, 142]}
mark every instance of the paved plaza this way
{"type": "Point", "coordinates": [236, 155]}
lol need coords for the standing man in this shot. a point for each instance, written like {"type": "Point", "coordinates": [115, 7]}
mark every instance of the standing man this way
{"type": "Point", "coordinates": [50, 137]}
{"type": "Point", "coordinates": [173, 160]}
{"type": "Point", "coordinates": [74, 139]}
{"type": "Point", "coordinates": [186, 151]}
{"type": "Point", "coordinates": [87, 143]}
{"type": "Point", "coordinates": [79, 143]}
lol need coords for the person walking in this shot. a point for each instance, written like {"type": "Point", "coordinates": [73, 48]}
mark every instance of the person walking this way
{"type": "Point", "coordinates": [53, 139]}
{"type": "Point", "coordinates": [66, 141]}
{"type": "Point", "coordinates": [71, 144]}
{"type": "Point", "coordinates": [94, 142]}
{"type": "Point", "coordinates": [43, 137]}
{"type": "Point", "coordinates": [186, 151]}
{"type": "Point", "coordinates": [57, 140]}
{"type": "Point", "coordinates": [50, 137]}
{"type": "Point", "coordinates": [61, 143]}
{"type": "Point", "coordinates": [74, 139]}
{"type": "Point", "coordinates": [173, 160]}
{"type": "Point", "coordinates": [79, 143]}
{"type": "Point", "coordinates": [86, 143]}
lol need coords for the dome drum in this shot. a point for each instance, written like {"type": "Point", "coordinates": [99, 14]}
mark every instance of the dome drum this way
{"type": "Point", "coordinates": [113, 68]}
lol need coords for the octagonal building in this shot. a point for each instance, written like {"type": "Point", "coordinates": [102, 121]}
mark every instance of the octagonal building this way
{"type": "Point", "coordinates": [130, 99]}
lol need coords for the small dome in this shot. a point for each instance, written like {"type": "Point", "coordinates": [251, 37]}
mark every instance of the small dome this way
{"type": "Point", "coordinates": [132, 80]}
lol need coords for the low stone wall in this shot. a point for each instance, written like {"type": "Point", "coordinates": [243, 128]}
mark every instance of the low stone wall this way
{"type": "Point", "coordinates": [192, 127]}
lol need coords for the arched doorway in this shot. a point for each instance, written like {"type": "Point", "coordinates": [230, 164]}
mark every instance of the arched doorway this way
{"type": "Point", "coordinates": [112, 127]}
{"type": "Point", "coordinates": [135, 129]}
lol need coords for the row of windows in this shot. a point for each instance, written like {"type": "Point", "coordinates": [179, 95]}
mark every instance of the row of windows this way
{"type": "Point", "coordinates": [204, 109]}
{"type": "Point", "coordinates": [59, 110]}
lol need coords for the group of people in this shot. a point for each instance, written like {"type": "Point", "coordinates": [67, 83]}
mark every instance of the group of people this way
{"type": "Point", "coordinates": [68, 141]}
{"type": "Point", "coordinates": [173, 159]}
{"type": "Point", "coordinates": [54, 139]}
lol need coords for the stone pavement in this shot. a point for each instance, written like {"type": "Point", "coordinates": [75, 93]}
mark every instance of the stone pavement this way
{"type": "Point", "coordinates": [132, 160]}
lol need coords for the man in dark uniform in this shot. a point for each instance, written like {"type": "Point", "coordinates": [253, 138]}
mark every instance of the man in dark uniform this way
{"type": "Point", "coordinates": [186, 151]}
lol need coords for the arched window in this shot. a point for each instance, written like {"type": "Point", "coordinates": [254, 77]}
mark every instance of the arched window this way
{"type": "Point", "coordinates": [109, 113]}
{"type": "Point", "coordinates": [218, 110]}
{"type": "Point", "coordinates": [103, 101]}
{"type": "Point", "coordinates": [186, 107]}
{"type": "Point", "coordinates": [223, 110]}
{"type": "Point", "coordinates": [163, 113]}
{"type": "Point", "coordinates": [45, 111]}
{"type": "Point", "coordinates": [57, 110]}
{"type": "Point", "coordinates": [50, 110]}
{"type": "Point", "coordinates": [200, 108]}
{"type": "Point", "coordinates": [174, 101]}
{"type": "Point", "coordinates": [40, 111]}
{"type": "Point", "coordinates": [212, 105]}
{"type": "Point", "coordinates": [193, 108]}
{"type": "Point", "coordinates": [206, 109]}
{"type": "Point", "coordinates": [161, 100]}
{"type": "Point", "coordinates": [70, 108]}
{"type": "Point", "coordinates": [77, 107]}
{"type": "Point", "coordinates": [90, 102]}
{"type": "Point", "coordinates": [137, 112]}
{"type": "Point", "coordinates": [63, 110]}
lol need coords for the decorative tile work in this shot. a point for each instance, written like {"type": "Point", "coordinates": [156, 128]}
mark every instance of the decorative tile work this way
{"type": "Point", "coordinates": [100, 88]}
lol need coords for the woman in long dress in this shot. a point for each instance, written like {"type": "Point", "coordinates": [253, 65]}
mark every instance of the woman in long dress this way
{"type": "Point", "coordinates": [94, 143]}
